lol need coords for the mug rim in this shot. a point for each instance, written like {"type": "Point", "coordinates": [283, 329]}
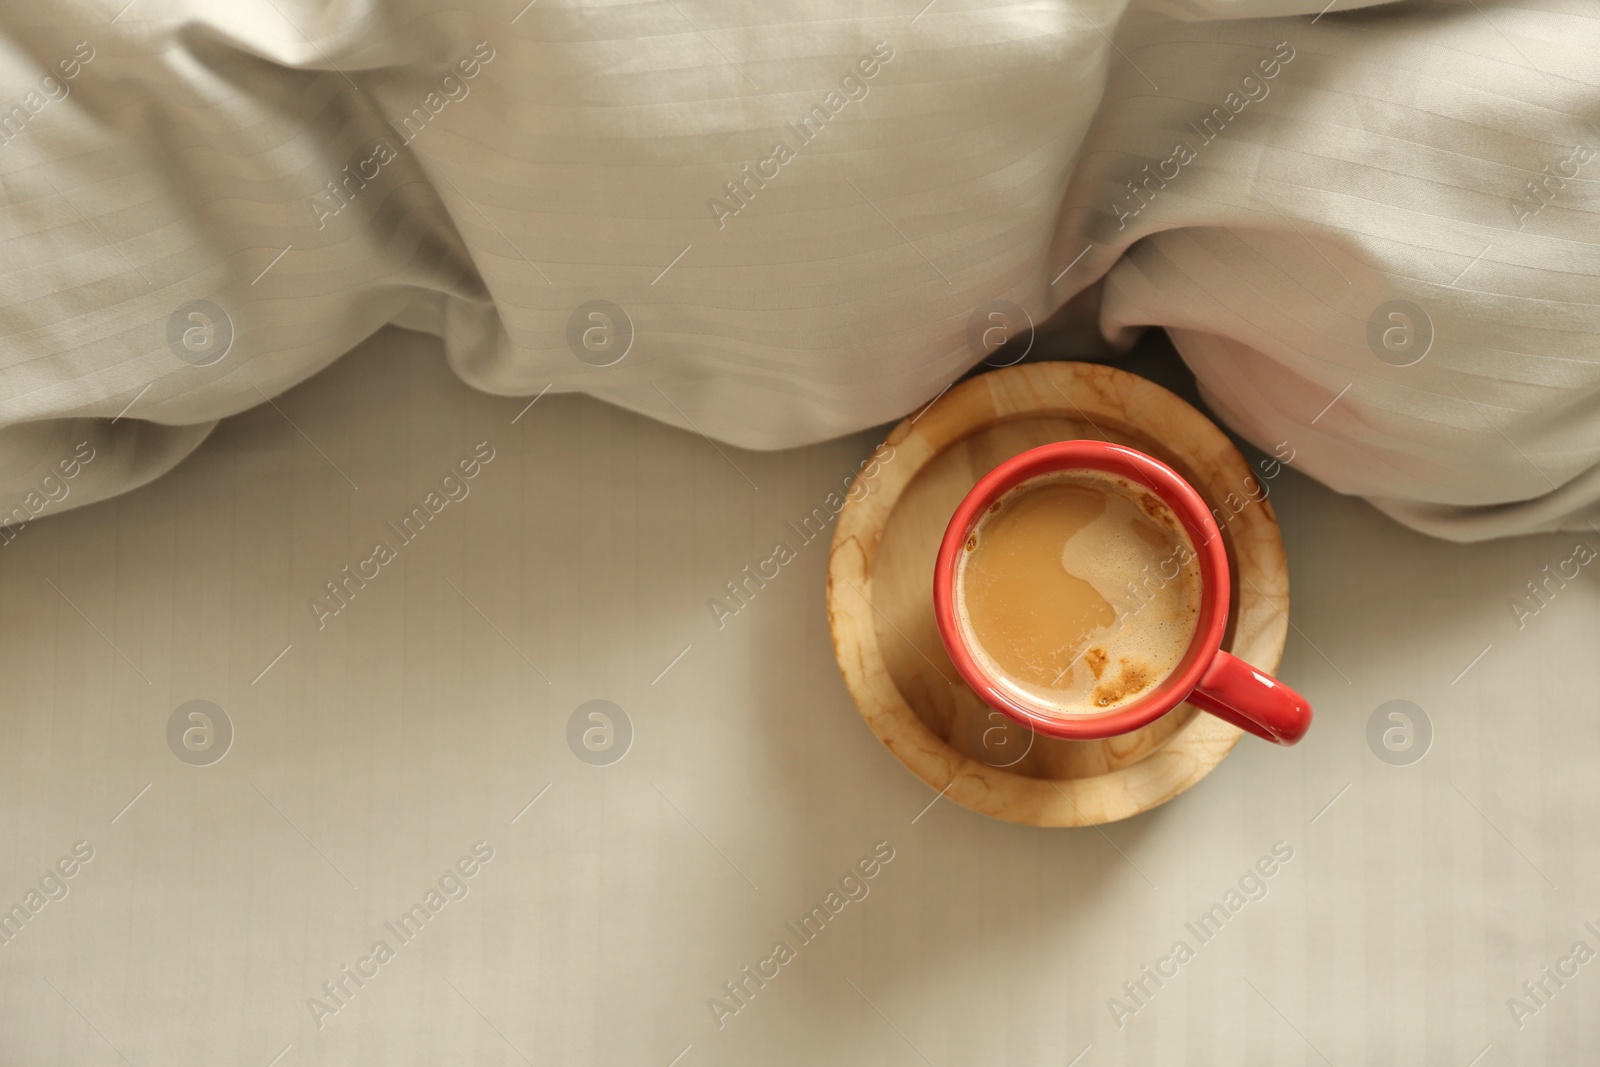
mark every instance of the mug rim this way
{"type": "Point", "coordinates": [1205, 537]}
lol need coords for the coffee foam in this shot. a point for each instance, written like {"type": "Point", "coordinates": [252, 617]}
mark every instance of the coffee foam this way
{"type": "Point", "coordinates": [1141, 596]}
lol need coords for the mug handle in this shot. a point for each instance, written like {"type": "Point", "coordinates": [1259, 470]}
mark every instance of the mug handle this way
{"type": "Point", "coordinates": [1236, 692]}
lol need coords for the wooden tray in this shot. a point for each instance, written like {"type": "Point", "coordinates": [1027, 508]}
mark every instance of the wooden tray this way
{"type": "Point", "coordinates": [880, 595]}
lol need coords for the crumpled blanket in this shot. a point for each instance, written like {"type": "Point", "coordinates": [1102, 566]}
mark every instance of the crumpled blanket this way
{"type": "Point", "coordinates": [1369, 229]}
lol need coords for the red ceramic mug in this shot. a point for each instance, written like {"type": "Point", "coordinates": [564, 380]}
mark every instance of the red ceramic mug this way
{"type": "Point", "coordinates": [1206, 676]}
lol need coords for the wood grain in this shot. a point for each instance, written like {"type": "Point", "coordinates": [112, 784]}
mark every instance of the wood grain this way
{"type": "Point", "coordinates": [880, 595]}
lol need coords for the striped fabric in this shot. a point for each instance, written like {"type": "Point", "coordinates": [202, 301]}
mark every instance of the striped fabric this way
{"type": "Point", "coordinates": [775, 223]}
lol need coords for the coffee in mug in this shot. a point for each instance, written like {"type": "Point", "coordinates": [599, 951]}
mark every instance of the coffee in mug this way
{"type": "Point", "coordinates": [1080, 590]}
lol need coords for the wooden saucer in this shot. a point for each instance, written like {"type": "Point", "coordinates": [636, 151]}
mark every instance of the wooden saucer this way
{"type": "Point", "coordinates": [880, 595]}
